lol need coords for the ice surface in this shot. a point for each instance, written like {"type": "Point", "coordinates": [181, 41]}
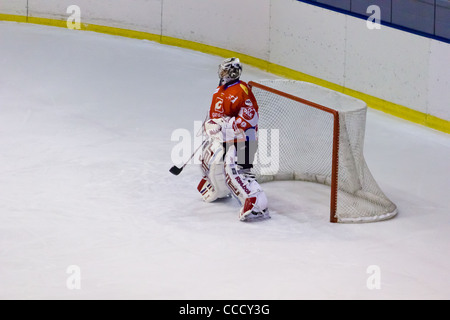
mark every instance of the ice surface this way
{"type": "Point", "coordinates": [85, 136]}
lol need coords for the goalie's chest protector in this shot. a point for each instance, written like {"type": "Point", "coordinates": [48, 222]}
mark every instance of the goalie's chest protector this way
{"type": "Point", "coordinates": [235, 100]}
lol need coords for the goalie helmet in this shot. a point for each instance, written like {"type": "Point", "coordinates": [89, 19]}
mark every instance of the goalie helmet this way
{"type": "Point", "coordinates": [230, 69]}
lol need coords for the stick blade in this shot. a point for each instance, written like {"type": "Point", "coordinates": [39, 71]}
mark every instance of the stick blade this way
{"type": "Point", "coordinates": [175, 170]}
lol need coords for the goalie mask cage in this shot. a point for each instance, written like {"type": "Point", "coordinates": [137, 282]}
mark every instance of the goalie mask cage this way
{"type": "Point", "coordinates": [320, 139]}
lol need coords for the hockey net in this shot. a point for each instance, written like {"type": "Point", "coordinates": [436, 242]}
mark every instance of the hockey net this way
{"type": "Point", "coordinates": [317, 135]}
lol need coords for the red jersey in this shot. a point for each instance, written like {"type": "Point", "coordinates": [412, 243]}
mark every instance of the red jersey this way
{"type": "Point", "coordinates": [235, 100]}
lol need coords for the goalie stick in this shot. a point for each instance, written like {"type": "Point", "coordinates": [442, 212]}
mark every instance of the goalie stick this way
{"type": "Point", "coordinates": [177, 170]}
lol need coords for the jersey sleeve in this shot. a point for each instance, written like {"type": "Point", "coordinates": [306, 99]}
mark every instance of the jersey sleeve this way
{"type": "Point", "coordinates": [247, 116]}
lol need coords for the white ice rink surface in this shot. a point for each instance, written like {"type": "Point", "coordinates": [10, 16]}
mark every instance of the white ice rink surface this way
{"type": "Point", "coordinates": [85, 136]}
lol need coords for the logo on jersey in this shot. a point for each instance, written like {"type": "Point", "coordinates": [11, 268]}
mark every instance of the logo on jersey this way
{"type": "Point", "coordinates": [219, 105]}
{"type": "Point", "coordinates": [249, 103]}
{"type": "Point", "coordinates": [233, 99]}
{"type": "Point", "coordinates": [248, 113]}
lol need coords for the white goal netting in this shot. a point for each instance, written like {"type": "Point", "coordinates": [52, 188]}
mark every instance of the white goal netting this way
{"type": "Point", "coordinates": [300, 141]}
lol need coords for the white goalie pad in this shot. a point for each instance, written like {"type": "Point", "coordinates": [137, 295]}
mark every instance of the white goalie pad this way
{"type": "Point", "coordinates": [245, 188]}
{"type": "Point", "coordinates": [222, 175]}
{"type": "Point", "coordinates": [213, 186]}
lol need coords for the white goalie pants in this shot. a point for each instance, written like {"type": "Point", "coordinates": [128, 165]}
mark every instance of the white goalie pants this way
{"type": "Point", "coordinates": [223, 176]}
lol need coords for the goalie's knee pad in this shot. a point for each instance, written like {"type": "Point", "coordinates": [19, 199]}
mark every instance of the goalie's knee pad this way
{"type": "Point", "coordinates": [244, 187]}
{"type": "Point", "coordinates": [213, 186]}
{"type": "Point", "coordinates": [213, 191]}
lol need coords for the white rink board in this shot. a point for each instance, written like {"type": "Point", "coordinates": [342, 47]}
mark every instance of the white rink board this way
{"type": "Point", "coordinates": [296, 44]}
{"type": "Point", "coordinates": [16, 7]}
{"type": "Point", "coordinates": [241, 26]}
{"type": "Point", "coordinates": [439, 80]}
{"type": "Point", "coordinates": [138, 15]}
{"type": "Point", "coordinates": [387, 63]}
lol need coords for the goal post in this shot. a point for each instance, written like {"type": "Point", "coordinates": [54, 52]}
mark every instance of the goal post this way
{"type": "Point", "coordinates": [321, 138]}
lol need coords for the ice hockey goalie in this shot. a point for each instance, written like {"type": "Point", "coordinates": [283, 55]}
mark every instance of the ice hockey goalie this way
{"type": "Point", "coordinates": [228, 154]}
